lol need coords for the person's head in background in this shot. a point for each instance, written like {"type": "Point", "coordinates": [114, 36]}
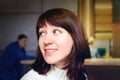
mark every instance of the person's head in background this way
{"type": "Point", "coordinates": [22, 40]}
{"type": "Point", "coordinates": [62, 43]}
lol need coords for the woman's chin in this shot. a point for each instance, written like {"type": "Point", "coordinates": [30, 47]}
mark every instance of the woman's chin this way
{"type": "Point", "coordinates": [50, 61]}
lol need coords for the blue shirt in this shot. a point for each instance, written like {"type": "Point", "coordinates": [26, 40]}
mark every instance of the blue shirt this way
{"type": "Point", "coordinates": [10, 66]}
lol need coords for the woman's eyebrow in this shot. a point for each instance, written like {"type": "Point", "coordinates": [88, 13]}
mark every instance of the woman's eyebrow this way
{"type": "Point", "coordinates": [41, 28]}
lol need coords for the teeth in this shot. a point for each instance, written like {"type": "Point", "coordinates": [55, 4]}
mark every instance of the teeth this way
{"type": "Point", "coordinates": [50, 50]}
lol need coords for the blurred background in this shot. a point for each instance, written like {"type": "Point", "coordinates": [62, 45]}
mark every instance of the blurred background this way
{"type": "Point", "coordinates": [100, 18]}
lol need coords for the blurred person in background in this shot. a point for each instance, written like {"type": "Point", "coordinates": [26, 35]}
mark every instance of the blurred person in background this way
{"type": "Point", "coordinates": [11, 67]}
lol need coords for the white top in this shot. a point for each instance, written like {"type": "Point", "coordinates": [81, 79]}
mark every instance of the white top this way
{"type": "Point", "coordinates": [54, 74]}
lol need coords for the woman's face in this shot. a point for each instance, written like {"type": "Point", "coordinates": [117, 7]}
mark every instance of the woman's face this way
{"type": "Point", "coordinates": [55, 44]}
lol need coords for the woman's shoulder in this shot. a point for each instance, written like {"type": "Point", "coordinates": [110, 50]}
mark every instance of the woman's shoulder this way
{"type": "Point", "coordinates": [32, 75]}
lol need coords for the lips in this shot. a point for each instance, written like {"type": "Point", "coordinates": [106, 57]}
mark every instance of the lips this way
{"type": "Point", "coordinates": [49, 52]}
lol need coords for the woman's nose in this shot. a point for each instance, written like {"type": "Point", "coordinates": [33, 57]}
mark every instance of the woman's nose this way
{"type": "Point", "coordinates": [48, 39]}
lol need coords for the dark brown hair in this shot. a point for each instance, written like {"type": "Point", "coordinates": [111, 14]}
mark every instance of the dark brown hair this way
{"type": "Point", "coordinates": [21, 36]}
{"type": "Point", "coordinates": [65, 19]}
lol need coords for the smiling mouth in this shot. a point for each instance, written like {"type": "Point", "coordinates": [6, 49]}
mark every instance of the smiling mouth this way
{"type": "Point", "coordinates": [49, 52]}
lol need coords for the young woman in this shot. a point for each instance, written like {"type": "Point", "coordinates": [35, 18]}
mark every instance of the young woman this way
{"type": "Point", "coordinates": [62, 47]}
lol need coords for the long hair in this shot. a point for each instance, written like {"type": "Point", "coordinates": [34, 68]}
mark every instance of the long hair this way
{"type": "Point", "coordinates": [75, 60]}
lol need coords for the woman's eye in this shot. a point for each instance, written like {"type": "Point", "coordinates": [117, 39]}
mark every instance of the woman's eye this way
{"type": "Point", "coordinates": [57, 31]}
{"type": "Point", "coordinates": [41, 33]}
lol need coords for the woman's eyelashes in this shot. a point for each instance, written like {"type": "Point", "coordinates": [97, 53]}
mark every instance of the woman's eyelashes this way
{"type": "Point", "coordinates": [57, 32]}
{"type": "Point", "coordinates": [41, 33]}
{"type": "Point", "coordinates": [54, 32]}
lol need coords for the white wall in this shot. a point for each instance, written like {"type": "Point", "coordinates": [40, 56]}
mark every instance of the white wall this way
{"type": "Point", "coordinates": [102, 44]}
